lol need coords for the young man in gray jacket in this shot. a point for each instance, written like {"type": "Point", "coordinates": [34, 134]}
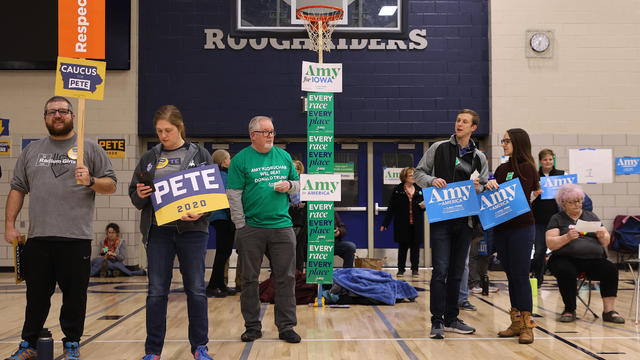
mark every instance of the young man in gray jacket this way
{"type": "Point", "coordinates": [448, 161]}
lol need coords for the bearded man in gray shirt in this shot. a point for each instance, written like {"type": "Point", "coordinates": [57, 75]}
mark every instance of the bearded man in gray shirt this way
{"type": "Point", "coordinates": [61, 207]}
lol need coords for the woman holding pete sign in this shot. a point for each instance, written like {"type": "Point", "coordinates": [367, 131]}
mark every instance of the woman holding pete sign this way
{"type": "Point", "coordinates": [514, 238]}
{"type": "Point", "coordinates": [186, 237]}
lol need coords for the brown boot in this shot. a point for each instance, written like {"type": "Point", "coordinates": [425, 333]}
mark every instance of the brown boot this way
{"type": "Point", "coordinates": [526, 328]}
{"type": "Point", "coordinates": [514, 328]}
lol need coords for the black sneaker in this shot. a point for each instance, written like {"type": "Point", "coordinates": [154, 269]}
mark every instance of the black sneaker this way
{"type": "Point", "coordinates": [229, 291]}
{"type": "Point", "coordinates": [400, 273]}
{"type": "Point", "coordinates": [251, 335]}
{"type": "Point", "coordinates": [290, 336]}
{"type": "Point", "coordinates": [437, 331]}
{"type": "Point", "coordinates": [466, 305]}
{"type": "Point", "coordinates": [459, 327]}
{"type": "Point", "coordinates": [215, 292]}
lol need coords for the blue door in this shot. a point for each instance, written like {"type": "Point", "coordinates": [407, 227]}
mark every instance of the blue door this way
{"type": "Point", "coordinates": [389, 155]}
{"type": "Point", "coordinates": [352, 208]}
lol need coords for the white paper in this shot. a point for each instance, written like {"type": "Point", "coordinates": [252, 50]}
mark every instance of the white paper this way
{"type": "Point", "coordinates": [475, 175]}
{"type": "Point", "coordinates": [591, 165]}
{"type": "Point", "coordinates": [587, 226]}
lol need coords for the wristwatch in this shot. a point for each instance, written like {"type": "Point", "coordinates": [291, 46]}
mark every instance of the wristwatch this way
{"type": "Point", "coordinates": [92, 181]}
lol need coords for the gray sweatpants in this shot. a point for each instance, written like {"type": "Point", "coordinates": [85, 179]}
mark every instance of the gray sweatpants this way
{"type": "Point", "coordinates": [252, 243]}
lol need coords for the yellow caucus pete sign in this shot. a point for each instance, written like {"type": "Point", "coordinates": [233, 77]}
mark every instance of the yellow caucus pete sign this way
{"type": "Point", "coordinates": [114, 148]}
{"type": "Point", "coordinates": [80, 78]}
{"type": "Point", "coordinates": [196, 190]}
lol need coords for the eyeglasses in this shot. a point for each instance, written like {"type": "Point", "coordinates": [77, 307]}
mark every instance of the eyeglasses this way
{"type": "Point", "coordinates": [505, 141]}
{"type": "Point", "coordinates": [62, 112]}
{"type": "Point", "coordinates": [266, 133]}
{"type": "Point", "coordinates": [574, 202]}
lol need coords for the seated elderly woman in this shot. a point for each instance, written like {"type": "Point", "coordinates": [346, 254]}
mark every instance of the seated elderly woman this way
{"type": "Point", "coordinates": [574, 253]}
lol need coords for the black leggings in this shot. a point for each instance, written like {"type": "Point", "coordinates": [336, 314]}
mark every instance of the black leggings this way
{"type": "Point", "coordinates": [566, 270]}
{"type": "Point", "coordinates": [225, 231]}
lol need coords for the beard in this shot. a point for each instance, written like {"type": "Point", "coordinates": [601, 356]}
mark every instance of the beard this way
{"type": "Point", "coordinates": [66, 129]}
{"type": "Point", "coordinates": [268, 146]}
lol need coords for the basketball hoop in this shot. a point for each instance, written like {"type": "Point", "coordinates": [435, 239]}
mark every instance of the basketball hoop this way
{"type": "Point", "coordinates": [320, 21]}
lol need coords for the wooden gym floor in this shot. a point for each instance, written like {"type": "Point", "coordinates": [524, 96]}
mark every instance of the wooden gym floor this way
{"type": "Point", "coordinates": [115, 326]}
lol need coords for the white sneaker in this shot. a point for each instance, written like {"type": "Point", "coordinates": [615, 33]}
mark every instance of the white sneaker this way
{"type": "Point", "coordinates": [476, 290]}
{"type": "Point", "coordinates": [493, 289]}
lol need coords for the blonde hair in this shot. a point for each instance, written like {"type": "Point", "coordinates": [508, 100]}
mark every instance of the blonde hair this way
{"type": "Point", "coordinates": [299, 166]}
{"type": "Point", "coordinates": [173, 116]}
{"type": "Point", "coordinates": [219, 156]}
{"type": "Point", "coordinates": [404, 173]}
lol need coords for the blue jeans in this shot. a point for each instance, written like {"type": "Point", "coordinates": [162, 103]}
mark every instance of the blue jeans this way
{"type": "Point", "coordinates": [164, 244]}
{"type": "Point", "coordinates": [346, 250]}
{"type": "Point", "coordinates": [450, 241]}
{"type": "Point", "coordinates": [464, 283]}
{"type": "Point", "coordinates": [514, 252]}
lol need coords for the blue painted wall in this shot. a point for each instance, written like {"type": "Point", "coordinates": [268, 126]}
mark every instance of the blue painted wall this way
{"type": "Point", "coordinates": [386, 93]}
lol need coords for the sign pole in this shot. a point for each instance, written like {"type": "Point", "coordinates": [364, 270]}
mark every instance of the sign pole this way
{"type": "Point", "coordinates": [80, 159]}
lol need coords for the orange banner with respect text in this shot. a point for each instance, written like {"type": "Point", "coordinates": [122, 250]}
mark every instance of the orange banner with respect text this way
{"type": "Point", "coordinates": [81, 29]}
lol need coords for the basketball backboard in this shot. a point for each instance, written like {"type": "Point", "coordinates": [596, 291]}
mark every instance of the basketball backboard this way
{"type": "Point", "coordinates": [380, 18]}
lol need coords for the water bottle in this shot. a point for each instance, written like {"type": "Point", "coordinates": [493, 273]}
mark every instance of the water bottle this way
{"type": "Point", "coordinates": [485, 285]}
{"type": "Point", "coordinates": [45, 345]}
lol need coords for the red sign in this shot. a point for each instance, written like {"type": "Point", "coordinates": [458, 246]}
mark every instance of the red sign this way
{"type": "Point", "coordinates": [81, 28]}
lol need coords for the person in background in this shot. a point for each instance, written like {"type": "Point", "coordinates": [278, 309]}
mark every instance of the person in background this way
{"type": "Point", "coordinates": [225, 232]}
{"type": "Point", "coordinates": [406, 208]}
{"type": "Point", "coordinates": [513, 239]}
{"type": "Point", "coordinates": [112, 254]}
{"type": "Point", "coordinates": [298, 214]}
{"type": "Point", "coordinates": [187, 237]}
{"type": "Point", "coordinates": [345, 249]}
{"type": "Point", "coordinates": [61, 206]}
{"type": "Point", "coordinates": [543, 210]}
{"type": "Point", "coordinates": [574, 252]}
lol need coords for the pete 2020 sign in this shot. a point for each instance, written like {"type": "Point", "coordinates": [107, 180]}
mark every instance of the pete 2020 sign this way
{"type": "Point", "coordinates": [196, 190]}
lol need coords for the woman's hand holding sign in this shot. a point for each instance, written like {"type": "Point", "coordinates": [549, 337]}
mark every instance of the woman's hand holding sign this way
{"type": "Point", "coordinates": [492, 185]}
{"type": "Point", "coordinates": [191, 217]}
{"type": "Point", "coordinates": [143, 190]}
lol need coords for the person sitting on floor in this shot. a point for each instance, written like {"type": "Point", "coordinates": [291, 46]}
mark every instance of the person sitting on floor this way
{"type": "Point", "coordinates": [112, 254]}
{"type": "Point", "coordinates": [576, 252]}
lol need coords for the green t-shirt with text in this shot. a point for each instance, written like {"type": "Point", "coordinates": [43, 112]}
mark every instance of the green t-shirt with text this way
{"type": "Point", "coordinates": [256, 173]}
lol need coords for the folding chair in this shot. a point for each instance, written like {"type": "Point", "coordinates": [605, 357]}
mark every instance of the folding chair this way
{"type": "Point", "coordinates": [636, 284]}
{"type": "Point", "coordinates": [582, 278]}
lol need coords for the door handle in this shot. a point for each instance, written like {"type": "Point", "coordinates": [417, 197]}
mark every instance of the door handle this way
{"type": "Point", "coordinates": [377, 209]}
{"type": "Point", "coordinates": [350, 208]}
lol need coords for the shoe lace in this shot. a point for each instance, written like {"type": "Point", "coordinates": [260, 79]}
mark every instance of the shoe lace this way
{"type": "Point", "coordinates": [202, 353]}
{"type": "Point", "coordinates": [71, 351]}
{"type": "Point", "coordinates": [24, 352]}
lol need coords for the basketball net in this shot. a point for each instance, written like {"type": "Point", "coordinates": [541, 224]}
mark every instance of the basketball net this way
{"type": "Point", "coordinates": [320, 21]}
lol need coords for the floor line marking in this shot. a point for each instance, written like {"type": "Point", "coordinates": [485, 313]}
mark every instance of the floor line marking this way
{"type": "Point", "coordinates": [393, 331]}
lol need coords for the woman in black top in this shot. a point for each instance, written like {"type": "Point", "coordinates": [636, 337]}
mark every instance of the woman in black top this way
{"type": "Point", "coordinates": [543, 210]}
{"type": "Point", "coordinates": [406, 207]}
{"type": "Point", "coordinates": [575, 252]}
